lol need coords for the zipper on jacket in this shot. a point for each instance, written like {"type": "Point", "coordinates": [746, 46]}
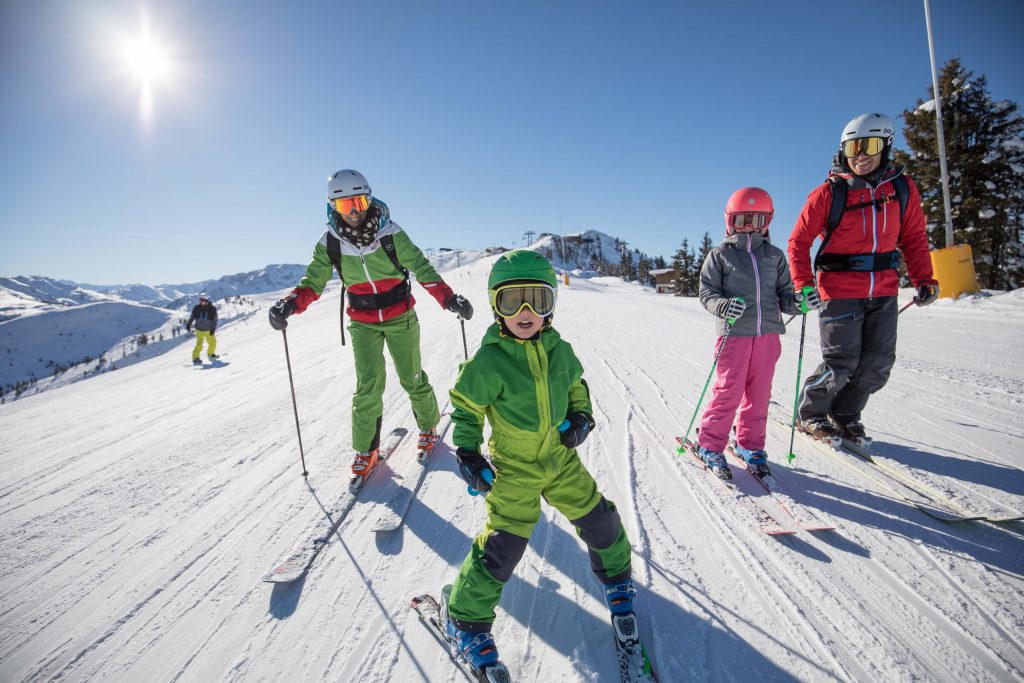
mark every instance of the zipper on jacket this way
{"type": "Point", "coordinates": [373, 286]}
{"type": "Point", "coordinates": [757, 282]}
{"type": "Point", "coordinates": [537, 359]}
{"type": "Point", "coordinates": [874, 230]}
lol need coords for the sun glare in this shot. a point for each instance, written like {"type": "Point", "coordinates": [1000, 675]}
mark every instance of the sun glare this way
{"type": "Point", "coordinates": [148, 60]}
{"type": "Point", "coordinates": [149, 65]}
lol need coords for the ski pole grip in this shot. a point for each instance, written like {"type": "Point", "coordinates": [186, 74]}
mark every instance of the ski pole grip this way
{"type": "Point", "coordinates": [732, 321]}
{"type": "Point", "coordinates": [565, 425]}
{"type": "Point", "coordinates": [487, 476]}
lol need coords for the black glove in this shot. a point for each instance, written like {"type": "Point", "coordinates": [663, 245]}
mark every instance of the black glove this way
{"type": "Point", "coordinates": [279, 313]}
{"type": "Point", "coordinates": [475, 469]}
{"type": "Point", "coordinates": [576, 432]}
{"type": "Point", "coordinates": [926, 294]}
{"type": "Point", "coordinates": [460, 305]}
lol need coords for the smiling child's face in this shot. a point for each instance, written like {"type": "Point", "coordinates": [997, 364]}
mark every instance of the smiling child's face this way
{"type": "Point", "coordinates": [524, 324]}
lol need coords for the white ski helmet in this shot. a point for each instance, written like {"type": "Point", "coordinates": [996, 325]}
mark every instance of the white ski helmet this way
{"type": "Point", "coordinates": [347, 183]}
{"type": "Point", "coordinates": [870, 126]}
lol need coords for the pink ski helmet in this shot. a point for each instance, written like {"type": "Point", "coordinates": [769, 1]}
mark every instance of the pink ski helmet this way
{"type": "Point", "coordinates": [749, 209]}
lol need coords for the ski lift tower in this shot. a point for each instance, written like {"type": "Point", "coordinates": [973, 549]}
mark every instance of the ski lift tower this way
{"type": "Point", "coordinates": [528, 237]}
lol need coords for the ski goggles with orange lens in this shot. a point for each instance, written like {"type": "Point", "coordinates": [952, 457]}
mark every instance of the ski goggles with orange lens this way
{"type": "Point", "coordinates": [869, 146]}
{"type": "Point", "coordinates": [755, 220]}
{"type": "Point", "coordinates": [360, 202]}
{"type": "Point", "coordinates": [509, 300]}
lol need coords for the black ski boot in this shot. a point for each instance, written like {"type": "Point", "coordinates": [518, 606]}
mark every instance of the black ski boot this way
{"type": "Point", "coordinates": [853, 432]}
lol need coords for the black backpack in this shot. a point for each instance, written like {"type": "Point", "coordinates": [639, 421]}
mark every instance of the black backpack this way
{"type": "Point", "coordinates": [839, 207]}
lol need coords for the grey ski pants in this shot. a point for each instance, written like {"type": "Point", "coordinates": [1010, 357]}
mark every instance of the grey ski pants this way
{"type": "Point", "coordinates": [858, 349]}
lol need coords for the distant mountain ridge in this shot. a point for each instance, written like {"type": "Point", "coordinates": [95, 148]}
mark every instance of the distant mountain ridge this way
{"type": "Point", "coordinates": [590, 251]}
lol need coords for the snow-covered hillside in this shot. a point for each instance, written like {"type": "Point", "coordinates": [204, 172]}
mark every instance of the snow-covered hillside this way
{"type": "Point", "coordinates": [140, 509]}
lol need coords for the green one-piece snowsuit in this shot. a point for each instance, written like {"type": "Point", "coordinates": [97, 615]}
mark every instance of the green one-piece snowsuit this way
{"type": "Point", "coordinates": [525, 388]}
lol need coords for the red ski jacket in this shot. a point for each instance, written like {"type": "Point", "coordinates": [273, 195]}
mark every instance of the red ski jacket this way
{"type": "Point", "coordinates": [862, 231]}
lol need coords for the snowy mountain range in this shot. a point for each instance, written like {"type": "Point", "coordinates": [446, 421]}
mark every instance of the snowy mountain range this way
{"type": "Point", "coordinates": [141, 508]}
{"type": "Point", "coordinates": [87, 329]}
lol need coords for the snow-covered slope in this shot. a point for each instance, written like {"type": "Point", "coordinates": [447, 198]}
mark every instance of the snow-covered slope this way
{"type": "Point", "coordinates": [140, 509]}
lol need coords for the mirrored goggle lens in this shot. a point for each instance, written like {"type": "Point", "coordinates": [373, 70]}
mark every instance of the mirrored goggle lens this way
{"type": "Point", "coordinates": [751, 220]}
{"type": "Point", "coordinates": [360, 202]}
{"type": "Point", "coordinates": [509, 301]}
{"type": "Point", "coordinates": [869, 146]}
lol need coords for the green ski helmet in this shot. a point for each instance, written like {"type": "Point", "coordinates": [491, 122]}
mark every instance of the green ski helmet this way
{"type": "Point", "coordinates": [519, 266]}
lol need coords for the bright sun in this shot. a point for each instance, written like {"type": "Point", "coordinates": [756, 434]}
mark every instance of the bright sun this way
{"type": "Point", "coordinates": [148, 63]}
{"type": "Point", "coordinates": [148, 60]}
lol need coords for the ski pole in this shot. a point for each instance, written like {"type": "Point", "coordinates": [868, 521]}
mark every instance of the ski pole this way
{"type": "Point", "coordinates": [796, 397]}
{"type": "Point", "coordinates": [909, 304]}
{"type": "Point", "coordinates": [725, 338]}
{"type": "Point", "coordinates": [465, 349]}
{"type": "Point", "coordinates": [295, 405]}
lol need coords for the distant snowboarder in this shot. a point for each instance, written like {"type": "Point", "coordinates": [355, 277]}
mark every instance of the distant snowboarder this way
{"type": "Point", "coordinates": [744, 281]}
{"type": "Point", "coordinates": [204, 316]}
{"type": "Point", "coordinates": [868, 215]}
{"type": "Point", "coordinates": [373, 257]}
{"type": "Point", "coordinates": [528, 384]}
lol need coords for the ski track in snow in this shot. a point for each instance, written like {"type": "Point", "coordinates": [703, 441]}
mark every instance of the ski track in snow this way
{"type": "Point", "coordinates": [141, 508]}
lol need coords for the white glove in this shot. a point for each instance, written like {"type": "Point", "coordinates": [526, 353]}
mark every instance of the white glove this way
{"type": "Point", "coordinates": [808, 299]}
{"type": "Point", "coordinates": [735, 309]}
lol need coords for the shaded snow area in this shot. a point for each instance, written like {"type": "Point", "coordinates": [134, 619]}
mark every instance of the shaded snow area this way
{"type": "Point", "coordinates": [141, 508]}
{"type": "Point", "coordinates": [61, 345]}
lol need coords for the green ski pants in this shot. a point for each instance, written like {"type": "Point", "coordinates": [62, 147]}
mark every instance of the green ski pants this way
{"type": "Point", "coordinates": [402, 335]}
{"type": "Point", "coordinates": [513, 508]}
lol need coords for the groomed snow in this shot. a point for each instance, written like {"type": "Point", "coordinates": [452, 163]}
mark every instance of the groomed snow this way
{"type": "Point", "coordinates": [140, 509]}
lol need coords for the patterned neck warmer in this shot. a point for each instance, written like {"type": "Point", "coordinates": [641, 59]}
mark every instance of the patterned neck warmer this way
{"type": "Point", "coordinates": [364, 234]}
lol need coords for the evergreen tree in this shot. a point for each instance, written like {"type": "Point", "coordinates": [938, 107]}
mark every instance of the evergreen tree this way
{"type": "Point", "coordinates": [683, 261]}
{"type": "Point", "coordinates": [985, 161]}
{"type": "Point", "coordinates": [643, 270]}
{"type": "Point", "coordinates": [706, 245]}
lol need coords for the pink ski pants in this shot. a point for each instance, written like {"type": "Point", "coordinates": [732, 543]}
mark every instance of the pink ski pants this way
{"type": "Point", "coordinates": [743, 379]}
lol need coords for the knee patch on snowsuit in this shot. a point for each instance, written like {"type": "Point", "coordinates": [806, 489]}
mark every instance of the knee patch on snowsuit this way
{"type": "Point", "coordinates": [502, 552]}
{"type": "Point", "coordinates": [599, 528]}
{"type": "Point", "coordinates": [607, 544]}
{"type": "Point", "coordinates": [482, 577]}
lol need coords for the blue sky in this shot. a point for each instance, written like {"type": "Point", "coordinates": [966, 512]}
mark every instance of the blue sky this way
{"type": "Point", "coordinates": [474, 121]}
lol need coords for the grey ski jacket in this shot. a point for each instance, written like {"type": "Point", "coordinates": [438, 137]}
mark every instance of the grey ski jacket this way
{"type": "Point", "coordinates": [749, 266]}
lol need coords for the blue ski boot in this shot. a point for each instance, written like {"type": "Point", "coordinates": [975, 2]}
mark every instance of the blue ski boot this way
{"type": "Point", "coordinates": [619, 597]}
{"type": "Point", "coordinates": [476, 648]}
{"type": "Point", "coordinates": [757, 461]}
{"type": "Point", "coordinates": [196, 361]}
{"type": "Point", "coordinates": [715, 462]}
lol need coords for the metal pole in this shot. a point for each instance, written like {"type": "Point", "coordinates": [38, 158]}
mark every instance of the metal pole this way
{"type": "Point", "coordinates": [561, 231]}
{"type": "Point", "coordinates": [295, 405]}
{"type": "Point", "coordinates": [938, 127]}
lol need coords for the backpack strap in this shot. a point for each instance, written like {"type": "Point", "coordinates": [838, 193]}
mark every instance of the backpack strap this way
{"type": "Point", "coordinates": [388, 242]}
{"type": "Point", "coordinates": [835, 213]}
{"type": "Point", "coordinates": [902, 192]}
{"type": "Point", "coordinates": [334, 253]}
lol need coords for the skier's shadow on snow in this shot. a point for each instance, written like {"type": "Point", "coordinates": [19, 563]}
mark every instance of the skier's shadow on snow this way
{"type": "Point", "coordinates": [989, 544]}
{"type": "Point", "coordinates": [540, 609]}
{"type": "Point", "coordinates": [986, 473]}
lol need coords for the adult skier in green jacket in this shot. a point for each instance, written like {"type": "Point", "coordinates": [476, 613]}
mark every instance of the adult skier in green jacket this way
{"type": "Point", "coordinates": [373, 257]}
{"type": "Point", "coordinates": [527, 382]}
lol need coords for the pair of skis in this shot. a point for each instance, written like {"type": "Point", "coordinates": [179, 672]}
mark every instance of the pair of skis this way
{"type": "Point", "coordinates": [301, 557]}
{"type": "Point", "coordinates": [634, 664]}
{"type": "Point", "coordinates": [760, 516]}
{"type": "Point", "coordinates": [900, 484]}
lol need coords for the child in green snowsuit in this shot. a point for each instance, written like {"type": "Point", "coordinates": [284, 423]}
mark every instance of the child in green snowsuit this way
{"type": "Point", "coordinates": [528, 384]}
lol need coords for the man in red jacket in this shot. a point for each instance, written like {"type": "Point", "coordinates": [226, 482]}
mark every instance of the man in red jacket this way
{"type": "Point", "coordinates": [854, 277]}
